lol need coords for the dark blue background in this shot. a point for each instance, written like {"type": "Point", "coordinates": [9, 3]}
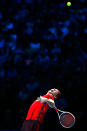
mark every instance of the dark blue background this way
{"type": "Point", "coordinates": [43, 45]}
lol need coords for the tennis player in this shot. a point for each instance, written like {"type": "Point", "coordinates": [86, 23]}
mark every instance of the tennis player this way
{"type": "Point", "coordinates": [38, 110]}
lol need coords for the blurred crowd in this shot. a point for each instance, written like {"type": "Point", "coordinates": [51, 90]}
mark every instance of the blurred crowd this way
{"type": "Point", "coordinates": [42, 45]}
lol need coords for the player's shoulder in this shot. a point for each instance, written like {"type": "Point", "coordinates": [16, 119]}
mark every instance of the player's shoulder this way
{"type": "Point", "coordinates": [49, 96]}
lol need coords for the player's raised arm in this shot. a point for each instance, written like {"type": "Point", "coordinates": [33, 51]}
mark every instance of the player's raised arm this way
{"type": "Point", "coordinates": [50, 102]}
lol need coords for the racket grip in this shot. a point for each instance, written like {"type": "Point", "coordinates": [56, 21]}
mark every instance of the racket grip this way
{"type": "Point", "coordinates": [56, 108]}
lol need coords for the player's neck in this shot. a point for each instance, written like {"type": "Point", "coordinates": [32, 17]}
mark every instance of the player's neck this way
{"type": "Point", "coordinates": [51, 94]}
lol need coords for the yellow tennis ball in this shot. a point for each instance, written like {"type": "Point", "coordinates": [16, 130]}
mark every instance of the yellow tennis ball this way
{"type": "Point", "coordinates": [68, 3]}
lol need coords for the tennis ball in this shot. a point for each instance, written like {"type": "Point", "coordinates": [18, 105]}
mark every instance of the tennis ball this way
{"type": "Point", "coordinates": [68, 3]}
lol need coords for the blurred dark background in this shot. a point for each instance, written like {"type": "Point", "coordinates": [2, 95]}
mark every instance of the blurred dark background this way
{"type": "Point", "coordinates": [43, 45]}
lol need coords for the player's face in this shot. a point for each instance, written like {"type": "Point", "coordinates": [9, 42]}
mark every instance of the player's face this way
{"type": "Point", "coordinates": [53, 91]}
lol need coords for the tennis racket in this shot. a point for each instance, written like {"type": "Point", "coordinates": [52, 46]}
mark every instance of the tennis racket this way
{"type": "Point", "coordinates": [66, 119]}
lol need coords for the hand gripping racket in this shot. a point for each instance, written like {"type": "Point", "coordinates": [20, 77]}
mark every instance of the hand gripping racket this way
{"type": "Point", "coordinates": [66, 119]}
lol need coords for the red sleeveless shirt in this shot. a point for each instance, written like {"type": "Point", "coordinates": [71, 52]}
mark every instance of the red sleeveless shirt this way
{"type": "Point", "coordinates": [38, 110]}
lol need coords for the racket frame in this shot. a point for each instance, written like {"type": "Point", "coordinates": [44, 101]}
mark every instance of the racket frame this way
{"type": "Point", "coordinates": [64, 112]}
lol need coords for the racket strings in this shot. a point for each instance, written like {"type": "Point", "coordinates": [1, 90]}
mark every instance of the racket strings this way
{"type": "Point", "coordinates": [67, 120]}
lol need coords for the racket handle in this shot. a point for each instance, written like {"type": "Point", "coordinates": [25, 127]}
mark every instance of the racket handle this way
{"type": "Point", "coordinates": [56, 108]}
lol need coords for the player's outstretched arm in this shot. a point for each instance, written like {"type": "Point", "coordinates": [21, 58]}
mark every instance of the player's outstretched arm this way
{"type": "Point", "coordinates": [50, 102]}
